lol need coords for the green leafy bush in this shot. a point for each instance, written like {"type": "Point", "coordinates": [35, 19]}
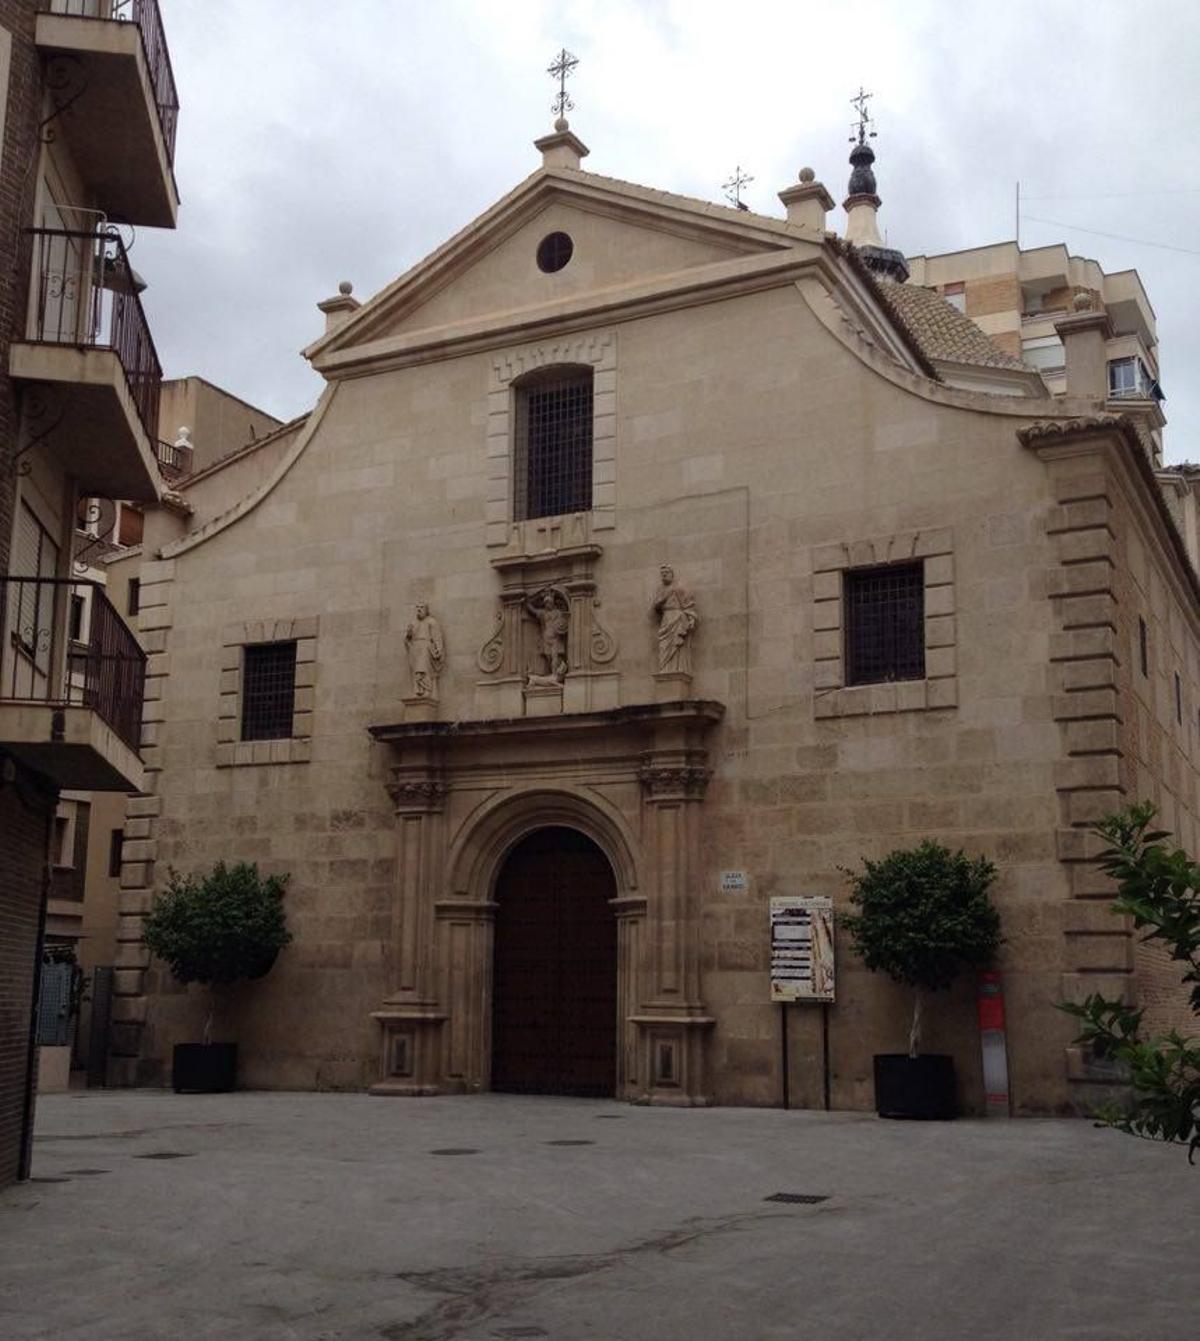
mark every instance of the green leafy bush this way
{"type": "Point", "coordinates": [1160, 889]}
{"type": "Point", "coordinates": [924, 915]}
{"type": "Point", "coordinates": [221, 927]}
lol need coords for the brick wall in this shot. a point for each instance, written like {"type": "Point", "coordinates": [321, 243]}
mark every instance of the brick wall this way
{"type": "Point", "coordinates": [985, 296]}
{"type": "Point", "coordinates": [16, 204]}
{"type": "Point", "coordinates": [24, 816]}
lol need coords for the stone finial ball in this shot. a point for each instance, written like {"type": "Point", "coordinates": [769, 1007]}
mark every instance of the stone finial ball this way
{"type": "Point", "coordinates": [346, 287]}
{"type": "Point", "coordinates": [807, 175]}
{"type": "Point", "coordinates": [562, 124]}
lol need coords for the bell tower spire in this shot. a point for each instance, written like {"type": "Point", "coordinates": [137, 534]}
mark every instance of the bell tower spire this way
{"type": "Point", "coordinates": [862, 203]}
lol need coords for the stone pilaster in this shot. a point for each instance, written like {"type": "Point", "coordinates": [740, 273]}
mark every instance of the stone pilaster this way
{"type": "Point", "coordinates": [671, 1020]}
{"type": "Point", "coordinates": [1090, 688]}
{"type": "Point", "coordinates": [126, 1065]}
{"type": "Point", "coordinates": [409, 1018]}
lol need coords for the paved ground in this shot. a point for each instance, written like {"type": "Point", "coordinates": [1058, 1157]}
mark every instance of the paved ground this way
{"type": "Point", "coordinates": [323, 1216]}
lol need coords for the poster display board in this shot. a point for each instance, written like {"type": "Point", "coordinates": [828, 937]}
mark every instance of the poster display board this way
{"type": "Point", "coordinates": [802, 949]}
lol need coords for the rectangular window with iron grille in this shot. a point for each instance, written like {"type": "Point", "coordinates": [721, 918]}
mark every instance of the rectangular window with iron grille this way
{"type": "Point", "coordinates": [553, 456]}
{"type": "Point", "coordinates": [268, 690]}
{"type": "Point", "coordinates": [885, 623]}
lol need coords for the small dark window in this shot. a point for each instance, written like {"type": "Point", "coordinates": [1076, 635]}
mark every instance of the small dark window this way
{"type": "Point", "coordinates": [554, 251]}
{"type": "Point", "coordinates": [1178, 700]}
{"type": "Point", "coordinates": [553, 457]}
{"type": "Point", "coordinates": [76, 619]}
{"type": "Point", "coordinates": [134, 598]}
{"type": "Point", "coordinates": [1143, 649]}
{"type": "Point", "coordinates": [885, 623]}
{"type": "Point", "coordinates": [116, 842]}
{"type": "Point", "coordinates": [268, 690]}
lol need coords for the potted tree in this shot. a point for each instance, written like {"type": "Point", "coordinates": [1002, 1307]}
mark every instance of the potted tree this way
{"type": "Point", "coordinates": [216, 929]}
{"type": "Point", "coordinates": [924, 915]}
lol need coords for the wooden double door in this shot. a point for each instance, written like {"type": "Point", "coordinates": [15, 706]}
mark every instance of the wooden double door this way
{"type": "Point", "coordinates": [554, 999]}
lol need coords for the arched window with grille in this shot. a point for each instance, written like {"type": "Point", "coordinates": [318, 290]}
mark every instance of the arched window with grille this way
{"type": "Point", "coordinates": [552, 460]}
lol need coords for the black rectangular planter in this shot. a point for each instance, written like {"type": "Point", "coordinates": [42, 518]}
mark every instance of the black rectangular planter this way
{"type": "Point", "coordinates": [204, 1068]}
{"type": "Point", "coordinates": [915, 1087]}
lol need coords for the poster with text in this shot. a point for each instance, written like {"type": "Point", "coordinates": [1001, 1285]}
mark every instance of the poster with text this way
{"type": "Point", "coordinates": [802, 949]}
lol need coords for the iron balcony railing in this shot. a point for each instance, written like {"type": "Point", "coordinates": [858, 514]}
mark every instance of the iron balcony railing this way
{"type": "Point", "coordinates": [174, 459]}
{"type": "Point", "coordinates": [145, 14]}
{"type": "Point", "coordinates": [86, 295]}
{"type": "Point", "coordinates": [64, 645]}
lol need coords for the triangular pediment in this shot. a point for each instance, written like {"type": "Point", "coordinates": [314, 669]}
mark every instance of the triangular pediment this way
{"type": "Point", "coordinates": [620, 235]}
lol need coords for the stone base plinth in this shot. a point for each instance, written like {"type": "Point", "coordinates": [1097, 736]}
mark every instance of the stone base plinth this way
{"type": "Point", "coordinates": [543, 700]}
{"type": "Point", "coordinates": [499, 698]}
{"type": "Point", "coordinates": [422, 709]}
{"type": "Point", "coordinates": [672, 686]}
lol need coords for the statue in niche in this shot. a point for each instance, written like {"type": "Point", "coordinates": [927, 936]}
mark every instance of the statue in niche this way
{"type": "Point", "coordinates": [550, 611]}
{"type": "Point", "coordinates": [426, 651]}
{"type": "Point", "coordinates": [675, 609]}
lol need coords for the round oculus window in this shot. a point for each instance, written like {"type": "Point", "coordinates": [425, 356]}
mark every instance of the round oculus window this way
{"type": "Point", "coordinates": [554, 251]}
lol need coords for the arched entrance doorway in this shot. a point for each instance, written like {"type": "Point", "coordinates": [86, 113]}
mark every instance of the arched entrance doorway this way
{"type": "Point", "coordinates": [554, 994]}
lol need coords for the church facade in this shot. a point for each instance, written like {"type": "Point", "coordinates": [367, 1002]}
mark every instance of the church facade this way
{"type": "Point", "coordinates": [643, 560]}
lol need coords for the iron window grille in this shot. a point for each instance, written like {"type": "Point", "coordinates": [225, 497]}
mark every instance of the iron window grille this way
{"type": "Point", "coordinates": [553, 457]}
{"type": "Point", "coordinates": [885, 623]}
{"type": "Point", "coordinates": [268, 690]}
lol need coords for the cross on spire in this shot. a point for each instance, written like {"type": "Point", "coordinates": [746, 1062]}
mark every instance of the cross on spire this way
{"type": "Point", "coordinates": [863, 128]}
{"type": "Point", "coordinates": [563, 65]}
{"type": "Point", "coordinates": [733, 188]}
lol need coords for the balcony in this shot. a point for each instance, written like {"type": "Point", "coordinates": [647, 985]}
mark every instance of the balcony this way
{"type": "Point", "coordinates": [174, 459]}
{"type": "Point", "coordinates": [72, 677]}
{"type": "Point", "coordinates": [108, 70]}
{"type": "Point", "coordinates": [89, 347]}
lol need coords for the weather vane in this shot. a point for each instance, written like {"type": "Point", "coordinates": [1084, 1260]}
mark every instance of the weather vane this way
{"type": "Point", "coordinates": [733, 188]}
{"type": "Point", "coordinates": [564, 65]}
{"type": "Point", "coordinates": [862, 129]}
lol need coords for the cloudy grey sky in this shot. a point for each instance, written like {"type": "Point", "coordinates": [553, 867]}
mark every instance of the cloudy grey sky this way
{"type": "Point", "coordinates": [322, 140]}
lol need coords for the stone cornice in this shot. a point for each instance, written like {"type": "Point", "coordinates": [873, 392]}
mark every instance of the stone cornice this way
{"type": "Point", "coordinates": [701, 712]}
{"type": "Point", "coordinates": [624, 302]}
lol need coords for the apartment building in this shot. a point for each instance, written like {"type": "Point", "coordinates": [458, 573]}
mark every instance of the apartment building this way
{"type": "Point", "coordinates": [89, 112]}
{"type": "Point", "coordinates": [1017, 296]}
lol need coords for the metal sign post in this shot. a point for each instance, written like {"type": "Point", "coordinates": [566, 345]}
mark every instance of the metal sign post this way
{"type": "Point", "coordinates": [802, 969]}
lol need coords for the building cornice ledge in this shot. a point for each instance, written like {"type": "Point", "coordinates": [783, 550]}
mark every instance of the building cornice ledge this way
{"type": "Point", "coordinates": [708, 711]}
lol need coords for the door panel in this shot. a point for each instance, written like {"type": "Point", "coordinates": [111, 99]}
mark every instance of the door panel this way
{"type": "Point", "coordinates": [554, 1005]}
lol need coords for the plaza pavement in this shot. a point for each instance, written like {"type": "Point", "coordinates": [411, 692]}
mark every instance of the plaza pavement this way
{"type": "Point", "coordinates": [306, 1216]}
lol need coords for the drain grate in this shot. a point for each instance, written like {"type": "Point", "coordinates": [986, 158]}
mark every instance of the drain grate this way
{"type": "Point", "coordinates": [86, 1173]}
{"type": "Point", "coordinates": [796, 1198]}
{"type": "Point", "coordinates": [455, 1150]}
{"type": "Point", "coordinates": [610, 1117]}
{"type": "Point", "coordinates": [568, 1142]}
{"type": "Point", "coordinates": [167, 1154]}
